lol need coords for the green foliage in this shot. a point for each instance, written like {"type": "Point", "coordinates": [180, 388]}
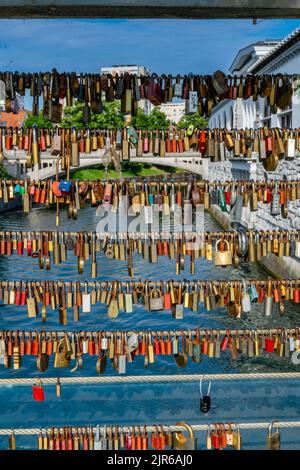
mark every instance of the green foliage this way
{"type": "Point", "coordinates": [156, 120]}
{"type": "Point", "coordinates": [128, 170]}
{"type": "Point", "coordinates": [110, 118]}
{"type": "Point", "coordinates": [3, 172]}
{"type": "Point", "coordinates": [196, 119]}
{"type": "Point", "coordinates": [38, 121]}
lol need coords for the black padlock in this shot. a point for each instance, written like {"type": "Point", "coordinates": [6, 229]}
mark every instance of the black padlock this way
{"type": "Point", "coordinates": [205, 400]}
{"type": "Point", "coordinates": [205, 404]}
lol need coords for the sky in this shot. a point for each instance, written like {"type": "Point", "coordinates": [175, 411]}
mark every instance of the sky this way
{"type": "Point", "coordinates": [164, 46]}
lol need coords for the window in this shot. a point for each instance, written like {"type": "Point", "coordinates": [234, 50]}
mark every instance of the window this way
{"type": "Point", "coordinates": [286, 120]}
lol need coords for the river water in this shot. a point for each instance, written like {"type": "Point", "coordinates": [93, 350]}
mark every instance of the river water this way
{"type": "Point", "coordinates": [142, 403]}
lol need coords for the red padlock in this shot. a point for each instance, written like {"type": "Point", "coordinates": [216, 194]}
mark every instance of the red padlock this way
{"type": "Point", "coordinates": [202, 142]}
{"type": "Point", "coordinates": [162, 346]}
{"type": "Point", "coordinates": [159, 248]}
{"type": "Point", "coordinates": [20, 247]}
{"type": "Point", "coordinates": [224, 343]}
{"type": "Point", "coordinates": [37, 195]}
{"type": "Point", "coordinates": [3, 247]}
{"type": "Point", "coordinates": [18, 297]}
{"type": "Point", "coordinates": [64, 441]}
{"type": "Point", "coordinates": [215, 438]}
{"type": "Point", "coordinates": [269, 344]}
{"type": "Point", "coordinates": [91, 347]}
{"type": "Point", "coordinates": [168, 145]}
{"type": "Point", "coordinates": [35, 347]}
{"type": "Point", "coordinates": [168, 346]}
{"type": "Point", "coordinates": [174, 145]}
{"type": "Point", "coordinates": [167, 301]}
{"type": "Point", "coordinates": [70, 441]}
{"type": "Point", "coordinates": [156, 346]}
{"type": "Point", "coordinates": [9, 247]}
{"type": "Point", "coordinates": [261, 296]}
{"type": "Point", "coordinates": [29, 247]}
{"type": "Point", "coordinates": [142, 347]}
{"type": "Point", "coordinates": [8, 140]}
{"type": "Point", "coordinates": [42, 141]}
{"type": "Point", "coordinates": [26, 140]}
{"type": "Point", "coordinates": [32, 190]}
{"type": "Point", "coordinates": [28, 345]}
{"type": "Point", "coordinates": [162, 439]}
{"type": "Point", "coordinates": [145, 439]}
{"type": "Point", "coordinates": [128, 441]}
{"type": "Point", "coordinates": [23, 297]}
{"type": "Point", "coordinates": [133, 439]}
{"type": "Point", "coordinates": [296, 296]}
{"type": "Point", "coordinates": [57, 441]}
{"type": "Point", "coordinates": [179, 198]}
{"type": "Point", "coordinates": [155, 439]}
{"type": "Point", "coordinates": [227, 195]}
{"type": "Point", "coordinates": [269, 144]}
{"type": "Point", "coordinates": [166, 248]}
{"type": "Point", "coordinates": [38, 393]}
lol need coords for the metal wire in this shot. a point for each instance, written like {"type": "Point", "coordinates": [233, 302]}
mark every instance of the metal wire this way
{"type": "Point", "coordinates": [148, 428]}
{"type": "Point", "coordinates": [151, 378]}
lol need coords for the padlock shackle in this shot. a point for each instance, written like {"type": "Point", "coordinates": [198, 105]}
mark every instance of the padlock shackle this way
{"type": "Point", "coordinates": [187, 427]}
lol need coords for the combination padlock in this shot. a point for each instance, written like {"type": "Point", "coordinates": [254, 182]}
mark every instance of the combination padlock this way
{"type": "Point", "coordinates": [205, 400]}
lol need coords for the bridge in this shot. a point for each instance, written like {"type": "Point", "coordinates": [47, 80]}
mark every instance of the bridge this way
{"type": "Point", "coordinates": [14, 162]}
{"type": "Point", "coordinates": [149, 9]}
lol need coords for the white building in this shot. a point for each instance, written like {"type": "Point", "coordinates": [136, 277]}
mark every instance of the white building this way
{"type": "Point", "coordinates": [173, 111]}
{"type": "Point", "coordinates": [133, 70]}
{"type": "Point", "coordinates": [264, 57]}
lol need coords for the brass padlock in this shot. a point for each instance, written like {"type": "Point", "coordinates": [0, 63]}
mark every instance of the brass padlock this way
{"type": "Point", "coordinates": [181, 442]}
{"type": "Point", "coordinates": [223, 258]}
{"type": "Point", "coordinates": [273, 438]}
{"type": "Point", "coordinates": [62, 355]}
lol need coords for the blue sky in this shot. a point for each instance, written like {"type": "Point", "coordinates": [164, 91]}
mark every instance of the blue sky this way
{"type": "Point", "coordinates": [173, 46]}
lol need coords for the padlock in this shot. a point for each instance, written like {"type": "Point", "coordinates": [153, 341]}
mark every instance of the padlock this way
{"type": "Point", "coordinates": [155, 300]}
{"type": "Point", "coordinates": [275, 201]}
{"type": "Point", "coordinates": [205, 400]}
{"type": "Point", "coordinates": [38, 391]}
{"type": "Point", "coordinates": [268, 306]}
{"type": "Point", "coordinates": [236, 438]}
{"type": "Point", "coordinates": [246, 303]}
{"type": "Point", "coordinates": [181, 442]}
{"type": "Point", "coordinates": [273, 438]}
{"type": "Point", "coordinates": [223, 258]}
{"type": "Point", "coordinates": [62, 355]}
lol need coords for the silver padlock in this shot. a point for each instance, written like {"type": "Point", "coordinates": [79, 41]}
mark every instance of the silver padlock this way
{"type": "Point", "coordinates": [275, 201]}
{"type": "Point", "coordinates": [246, 303]}
{"type": "Point", "coordinates": [268, 307]}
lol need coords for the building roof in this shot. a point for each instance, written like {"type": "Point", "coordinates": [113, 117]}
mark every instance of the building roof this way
{"type": "Point", "coordinates": [277, 50]}
{"type": "Point", "coordinates": [249, 55]}
{"type": "Point", "coordinates": [13, 120]}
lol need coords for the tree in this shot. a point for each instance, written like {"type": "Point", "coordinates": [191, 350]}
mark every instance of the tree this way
{"type": "Point", "coordinates": [111, 117]}
{"type": "Point", "coordinates": [195, 119]}
{"type": "Point", "coordinates": [3, 172]}
{"type": "Point", "coordinates": [38, 121]}
{"type": "Point", "coordinates": [155, 120]}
